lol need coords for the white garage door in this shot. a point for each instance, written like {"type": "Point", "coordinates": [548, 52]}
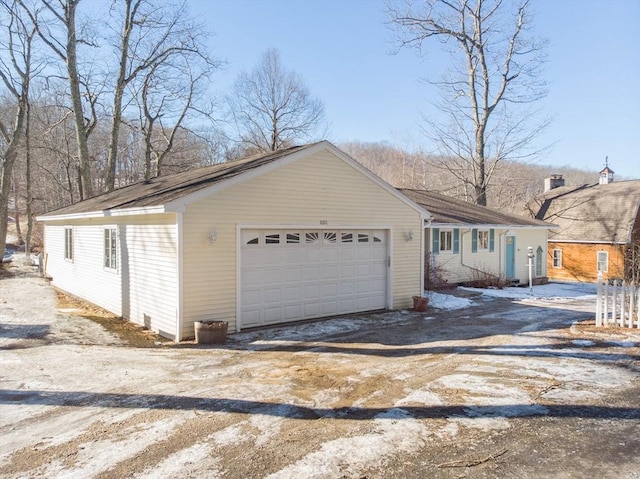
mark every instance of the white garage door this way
{"type": "Point", "coordinates": [289, 275]}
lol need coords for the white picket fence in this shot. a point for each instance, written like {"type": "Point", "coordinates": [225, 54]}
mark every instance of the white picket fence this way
{"type": "Point", "coordinates": [618, 304]}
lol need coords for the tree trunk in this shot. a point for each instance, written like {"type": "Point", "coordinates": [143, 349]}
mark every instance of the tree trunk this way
{"type": "Point", "coordinates": [85, 187]}
{"type": "Point", "coordinates": [121, 83]}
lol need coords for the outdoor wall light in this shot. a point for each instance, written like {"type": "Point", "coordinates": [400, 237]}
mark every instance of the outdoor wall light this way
{"type": "Point", "coordinates": [410, 235]}
{"type": "Point", "coordinates": [213, 234]}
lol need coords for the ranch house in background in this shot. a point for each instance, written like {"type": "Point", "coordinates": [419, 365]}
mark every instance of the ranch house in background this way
{"type": "Point", "coordinates": [467, 243]}
{"type": "Point", "coordinates": [598, 228]}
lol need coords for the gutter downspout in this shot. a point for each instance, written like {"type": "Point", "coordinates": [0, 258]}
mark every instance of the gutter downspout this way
{"type": "Point", "coordinates": [423, 243]}
{"type": "Point", "coordinates": [180, 277]}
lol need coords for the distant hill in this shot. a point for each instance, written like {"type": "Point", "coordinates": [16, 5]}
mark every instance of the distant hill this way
{"type": "Point", "coordinates": [512, 186]}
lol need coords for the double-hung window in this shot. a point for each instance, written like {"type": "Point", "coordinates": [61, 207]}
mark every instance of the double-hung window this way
{"type": "Point", "coordinates": [446, 240]}
{"type": "Point", "coordinates": [557, 258]}
{"type": "Point", "coordinates": [68, 244]}
{"type": "Point", "coordinates": [483, 240]}
{"type": "Point", "coordinates": [603, 261]}
{"type": "Point", "coordinates": [110, 248]}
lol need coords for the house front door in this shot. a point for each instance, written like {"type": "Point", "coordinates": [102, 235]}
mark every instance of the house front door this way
{"type": "Point", "coordinates": [510, 259]}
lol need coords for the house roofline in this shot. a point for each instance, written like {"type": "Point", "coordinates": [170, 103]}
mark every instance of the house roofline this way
{"type": "Point", "coordinates": [588, 242]}
{"type": "Point", "coordinates": [495, 226]}
{"type": "Point", "coordinates": [144, 210]}
{"type": "Point", "coordinates": [179, 205]}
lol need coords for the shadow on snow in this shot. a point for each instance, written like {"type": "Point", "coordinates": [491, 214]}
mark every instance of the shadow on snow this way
{"type": "Point", "coordinates": [293, 411]}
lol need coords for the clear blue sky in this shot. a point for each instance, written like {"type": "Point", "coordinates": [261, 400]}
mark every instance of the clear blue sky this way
{"type": "Point", "coordinates": [342, 50]}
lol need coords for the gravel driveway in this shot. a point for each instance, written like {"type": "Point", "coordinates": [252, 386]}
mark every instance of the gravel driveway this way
{"type": "Point", "coordinates": [502, 388]}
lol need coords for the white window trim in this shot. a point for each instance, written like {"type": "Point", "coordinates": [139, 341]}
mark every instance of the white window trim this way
{"type": "Point", "coordinates": [553, 258]}
{"type": "Point", "coordinates": [449, 232]}
{"type": "Point", "coordinates": [606, 261]}
{"type": "Point", "coordinates": [68, 244]}
{"type": "Point", "coordinates": [483, 232]}
{"type": "Point", "coordinates": [113, 238]}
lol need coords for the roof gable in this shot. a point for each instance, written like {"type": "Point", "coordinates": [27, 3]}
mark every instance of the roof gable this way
{"type": "Point", "coordinates": [172, 192]}
{"type": "Point", "coordinates": [604, 213]}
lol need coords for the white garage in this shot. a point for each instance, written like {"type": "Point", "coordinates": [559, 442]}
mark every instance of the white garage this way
{"type": "Point", "coordinates": [305, 232]}
{"type": "Point", "coordinates": [295, 274]}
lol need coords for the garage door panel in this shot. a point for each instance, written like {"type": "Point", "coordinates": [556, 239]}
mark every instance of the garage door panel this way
{"type": "Point", "coordinates": [272, 295]}
{"type": "Point", "coordinates": [289, 275]}
{"type": "Point", "coordinates": [252, 297]}
{"type": "Point", "coordinates": [292, 312]}
{"type": "Point", "coordinates": [330, 290]}
{"type": "Point", "coordinates": [272, 315]}
{"type": "Point", "coordinates": [291, 293]}
{"type": "Point", "coordinates": [330, 307]}
{"type": "Point", "coordinates": [311, 273]}
{"type": "Point", "coordinates": [312, 310]}
{"type": "Point", "coordinates": [331, 272]}
{"type": "Point", "coordinates": [330, 254]}
{"type": "Point", "coordinates": [292, 274]}
{"type": "Point", "coordinates": [347, 253]}
{"type": "Point", "coordinates": [251, 317]}
{"type": "Point", "coordinates": [363, 270]}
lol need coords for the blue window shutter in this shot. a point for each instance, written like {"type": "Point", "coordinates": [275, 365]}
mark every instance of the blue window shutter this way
{"type": "Point", "coordinates": [436, 240]}
{"type": "Point", "coordinates": [456, 241]}
{"type": "Point", "coordinates": [474, 240]}
{"type": "Point", "coordinates": [491, 239]}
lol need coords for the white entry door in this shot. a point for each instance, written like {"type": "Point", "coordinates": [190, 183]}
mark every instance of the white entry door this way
{"type": "Point", "coordinates": [290, 275]}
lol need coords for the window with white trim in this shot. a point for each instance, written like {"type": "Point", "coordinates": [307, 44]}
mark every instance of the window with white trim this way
{"type": "Point", "coordinates": [483, 240]}
{"type": "Point", "coordinates": [110, 248]}
{"type": "Point", "coordinates": [446, 240]}
{"type": "Point", "coordinates": [557, 258]}
{"type": "Point", "coordinates": [68, 244]}
{"type": "Point", "coordinates": [603, 261]}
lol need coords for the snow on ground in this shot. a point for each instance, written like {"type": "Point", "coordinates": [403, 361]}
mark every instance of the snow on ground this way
{"type": "Point", "coordinates": [549, 291]}
{"type": "Point", "coordinates": [446, 301]}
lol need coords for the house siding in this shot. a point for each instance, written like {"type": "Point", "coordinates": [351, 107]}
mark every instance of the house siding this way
{"type": "Point", "coordinates": [579, 261]}
{"type": "Point", "coordinates": [467, 265]}
{"type": "Point", "coordinates": [319, 192]}
{"type": "Point", "coordinates": [142, 289]}
{"type": "Point", "coordinates": [152, 256]}
{"type": "Point", "coordinates": [85, 276]}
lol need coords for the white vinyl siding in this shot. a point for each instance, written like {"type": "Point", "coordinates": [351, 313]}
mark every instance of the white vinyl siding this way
{"type": "Point", "coordinates": [143, 288]}
{"type": "Point", "coordinates": [85, 276]}
{"type": "Point", "coordinates": [152, 252]}
{"type": "Point", "coordinates": [320, 191]}
{"type": "Point", "coordinates": [471, 261]}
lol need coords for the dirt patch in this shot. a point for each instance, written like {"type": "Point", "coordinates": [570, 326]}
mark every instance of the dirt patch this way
{"type": "Point", "coordinates": [132, 334]}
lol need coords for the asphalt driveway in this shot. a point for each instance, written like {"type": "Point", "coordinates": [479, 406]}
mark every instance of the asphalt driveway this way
{"type": "Point", "coordinates": [501, 388]}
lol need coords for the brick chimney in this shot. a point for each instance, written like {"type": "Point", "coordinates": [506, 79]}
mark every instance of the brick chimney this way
{"type": "Point", "coordinates": [554, 181]}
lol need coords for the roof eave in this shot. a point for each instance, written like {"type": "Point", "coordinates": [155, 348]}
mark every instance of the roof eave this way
{"type": "Point", "coordinates": [495, 226]}
{"type": "Point", "coordinates": [145, 210]}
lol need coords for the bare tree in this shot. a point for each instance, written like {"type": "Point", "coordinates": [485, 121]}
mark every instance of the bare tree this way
{"type": "Point", "coordinates": [15, 74]}
{"type": "Point", "coordinates": [66, 48]}
{"type": "Point", "coordinates": [161, 45]}
{"type": "Point", "coordinates": [272, 108]}
{"type": "Point", "coordinates": [487, 94]}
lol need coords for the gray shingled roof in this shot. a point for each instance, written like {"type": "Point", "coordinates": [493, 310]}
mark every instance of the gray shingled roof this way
{"type": "Point", "coordinates": [161, 190]}
{"type": "Point", "coordinates": [592, 213]}
{"type": "Point", "coordinates": [447, 210]}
